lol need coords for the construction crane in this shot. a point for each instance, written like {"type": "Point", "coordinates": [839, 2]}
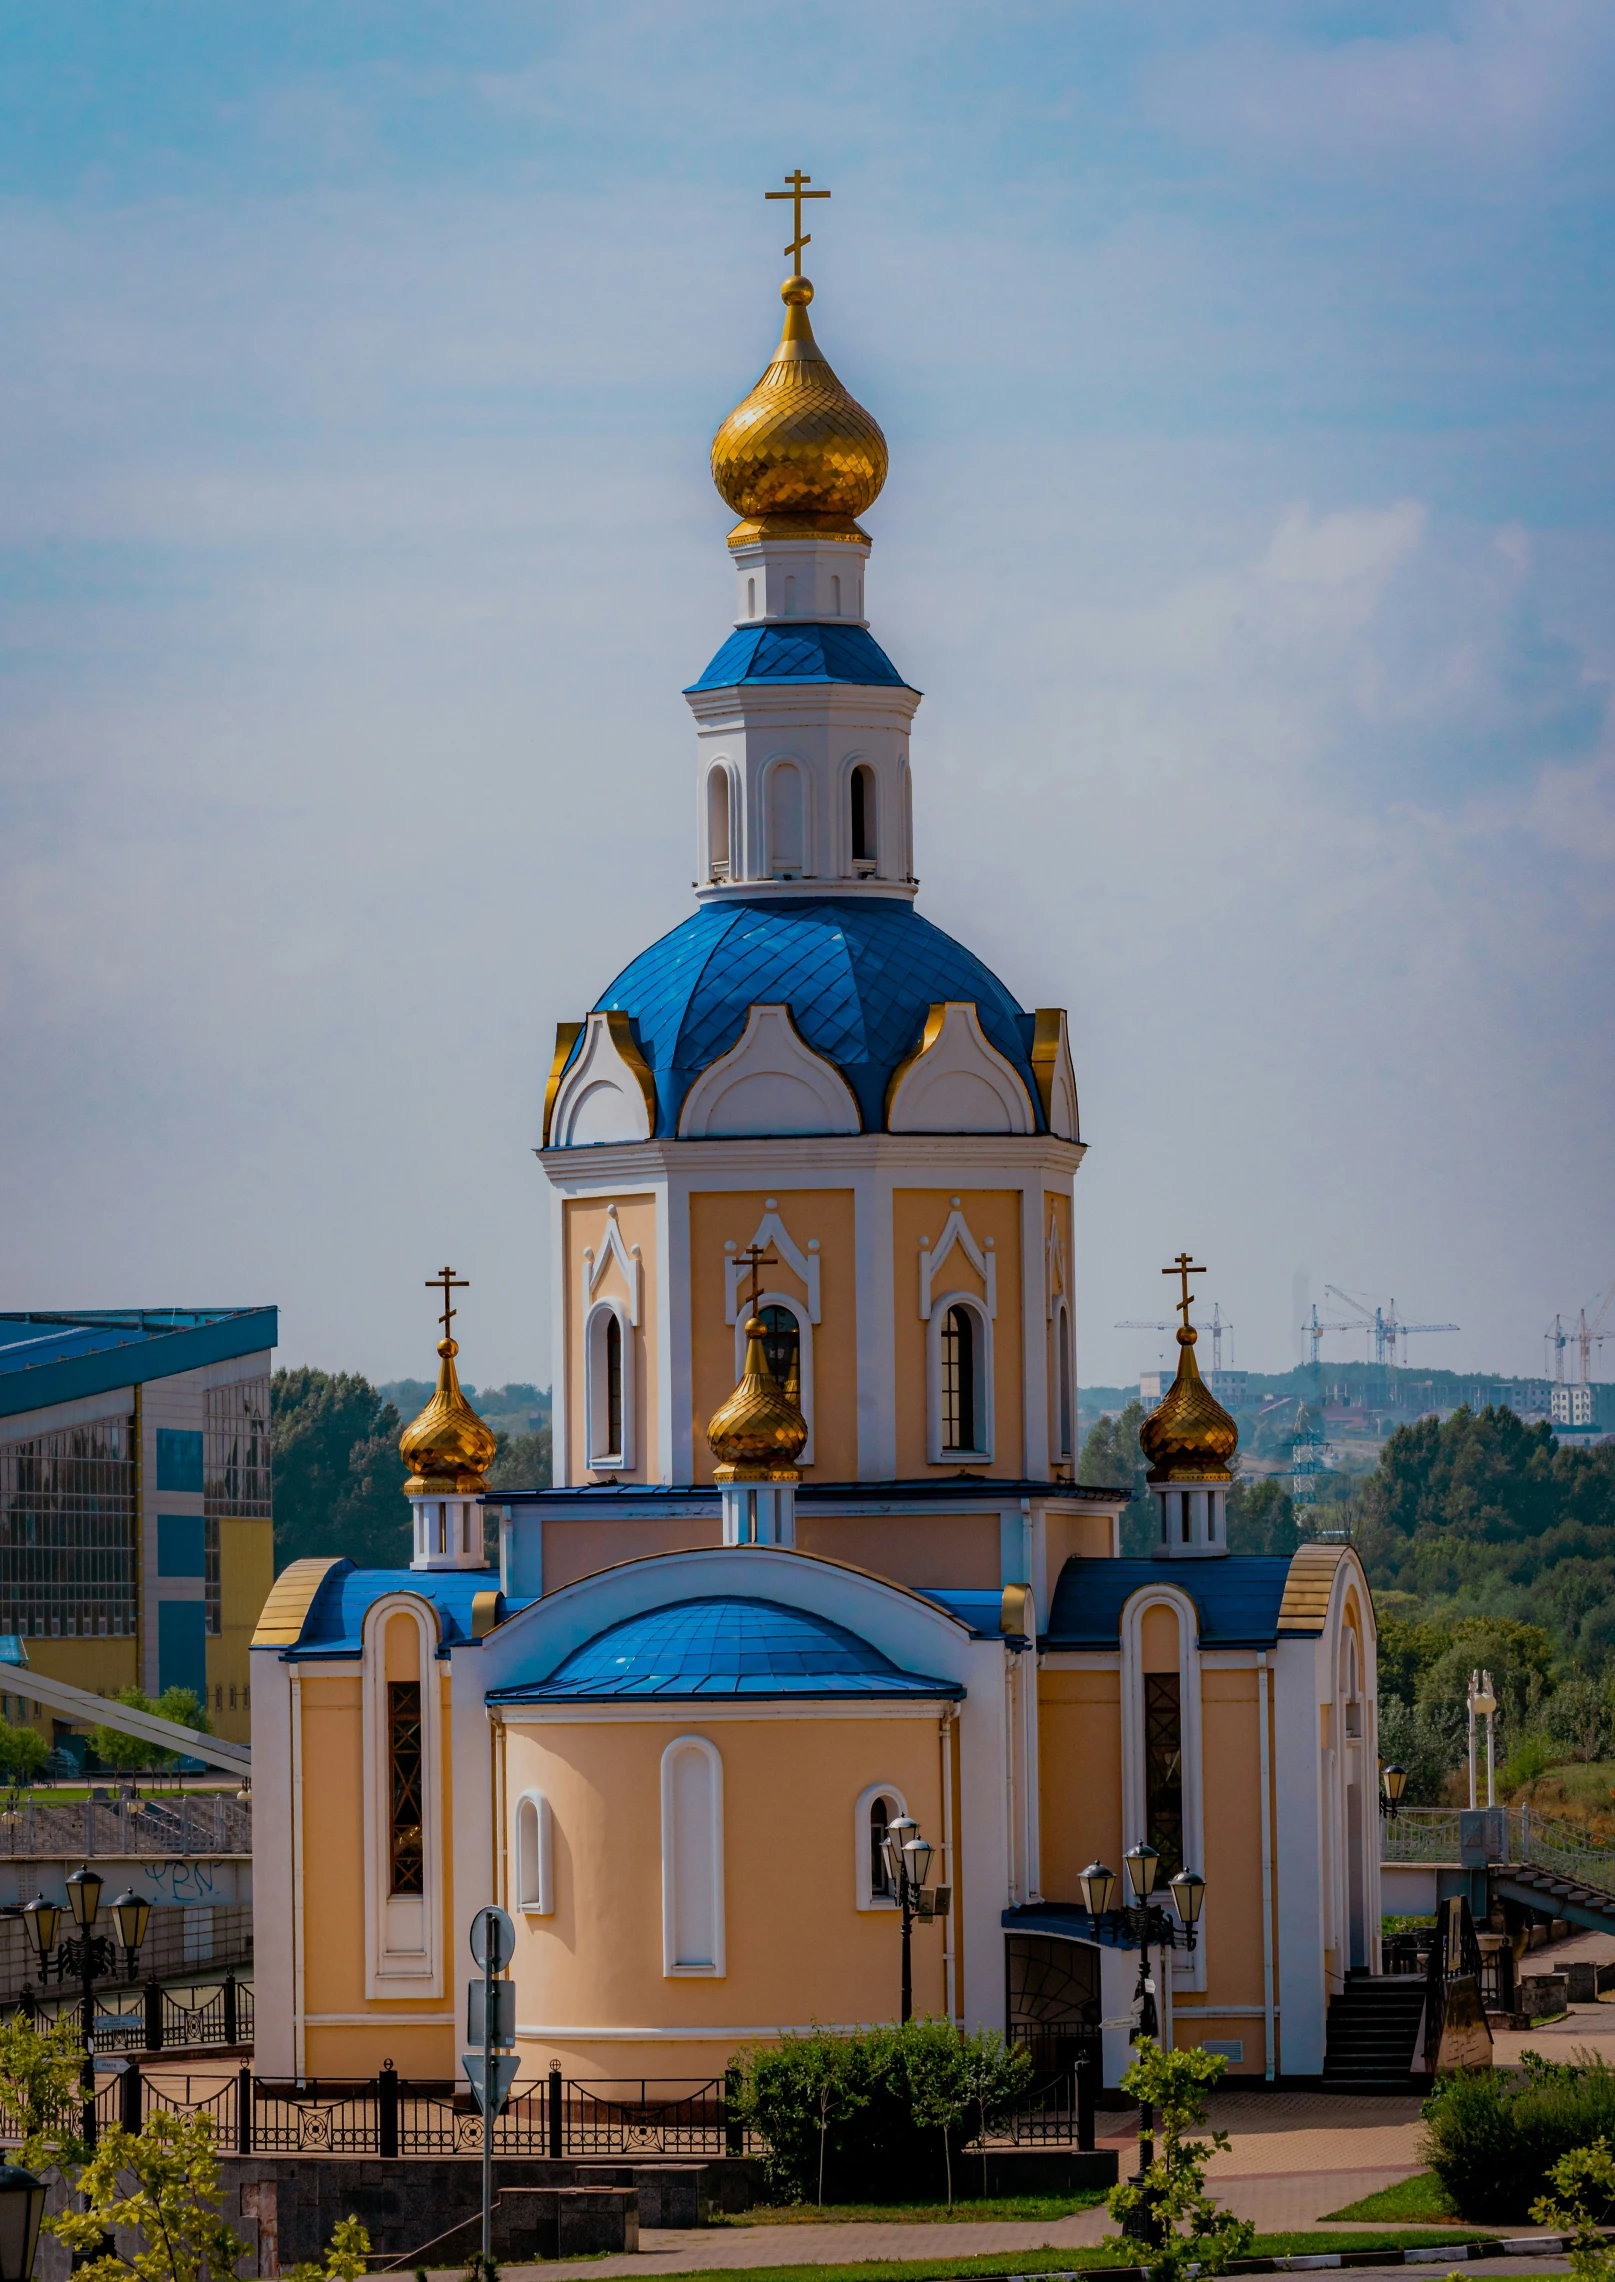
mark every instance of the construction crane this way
{"type": "Point", "coordinates": [1315, 1331]}
{"type": "Point", "coordinates": [1586, 1334]}
{"type": "Point", "coordinates": [1216, 1327]}
{"type": "Point", "coordinates": [1557, 1338]}
{"type": "Point", "coordinates": [1383, 1326]}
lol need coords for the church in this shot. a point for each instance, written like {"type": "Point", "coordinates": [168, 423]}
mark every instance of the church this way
{"type": "Point", "coordinates": [816, 1563]}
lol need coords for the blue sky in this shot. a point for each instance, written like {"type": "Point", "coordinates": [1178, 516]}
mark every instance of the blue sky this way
{"type": "Point", "coordinates": [1247, 376]}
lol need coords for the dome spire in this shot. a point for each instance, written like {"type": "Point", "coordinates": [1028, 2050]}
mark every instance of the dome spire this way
{"type": "Point", "coordinates": [799, 458]}
{"type": "Point", "coordinates": [1189, 1439]}
{"type": "Point", "coordinates": [448, 1450]}
{"type": "Point", "coordinates": [757, 1437]}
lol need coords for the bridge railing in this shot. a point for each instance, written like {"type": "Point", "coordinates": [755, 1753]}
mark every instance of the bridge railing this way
{"type": "Point", "coordinates": [1431, 1834]}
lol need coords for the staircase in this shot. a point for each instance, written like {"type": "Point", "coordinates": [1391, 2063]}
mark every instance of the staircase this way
{"type": "Point", "coordinates": [1372, 2034]}
{"type": "Point", "coordinates": [1556, 1895]}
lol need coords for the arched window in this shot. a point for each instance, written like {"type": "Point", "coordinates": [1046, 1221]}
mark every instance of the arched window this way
{"type": "Point", "coordinates": [877, 1809]}
{"type": "Point", "coordinates": [1063, 1380]}
{"type": "Point", "coordinates": [782, 1342]}
{"type": "Point", "coordinates": [960, 1371]}
{"type": "Point", "coordinates": [835, 596]}
{"type": "Point", "coordinates": [692, 1858]}
{"type": "Point", "coordinates": [535, 1882]}
{"type": "Point", "coordinates": [959, 1380]}
{"type": "Point", "coordinates": [718, 822]}
{"type": "Point", "coordinates": [608, 1392]}
{"type": "Point", "coordinates": [751, 598]}
{"type": "Point", "coordinates": [861, 791]}
{"type": "Point", "coordinates": [785, 823]}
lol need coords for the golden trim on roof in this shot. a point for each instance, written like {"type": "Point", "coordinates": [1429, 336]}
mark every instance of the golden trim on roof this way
{"type": "Point", "coordinates": [291, 1596]}
{"type": "Point", "coordinates": [484, 1612]}
{"type": "Point", "coordinates": [1309, 1587]}
{"type": "Point", "coordinates": [567, 1035]}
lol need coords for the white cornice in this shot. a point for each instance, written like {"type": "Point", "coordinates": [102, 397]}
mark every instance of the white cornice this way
{"type": "Point", "coordinates": [875, 705]}
{"type": "Point", "coordinates": [796, 891]}
{"type": "Point", "coordinates": [609, 1167]}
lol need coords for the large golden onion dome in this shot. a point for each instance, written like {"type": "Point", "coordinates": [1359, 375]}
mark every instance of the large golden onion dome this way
{"type": "Point", "coordinates": [448, 1449]}
{"type": "Point", "coordinates": [759, 1433]}
{"type": "Point", "coordinates": [799, 458]}
{"type": "Point", "coordinates": [1189, 1437]}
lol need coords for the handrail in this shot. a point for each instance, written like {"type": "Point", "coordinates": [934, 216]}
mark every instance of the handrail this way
{"type": "Point", "coordinates": [1431, 1834]}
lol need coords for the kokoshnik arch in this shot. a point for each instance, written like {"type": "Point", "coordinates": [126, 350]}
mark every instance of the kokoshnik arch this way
{"type": "Point", "coordinates": [816, 1556]}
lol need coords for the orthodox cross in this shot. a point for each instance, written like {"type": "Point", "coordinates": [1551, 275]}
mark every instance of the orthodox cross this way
{"type": "Point", "coordinates": [450, 1282]}
{"type": "Point", "coordinates": [1183, 1266]}
{"type": "Point", "coordinates": [755, 1257]}
{"type": "Point", "coordinates": [796, 193]}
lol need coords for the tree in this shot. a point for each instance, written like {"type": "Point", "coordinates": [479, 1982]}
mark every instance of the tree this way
{"type": "Point", "coordinates": [1111, 1459]}
{"type": "Point", "coordinates": [1261, 1518]}
{"type": "Point", "coordinates": [938, 2091]}
{"type": "Point", "coordinates": [1172, 2193]}
{"type": "Point", "coordinates": [161, 2183]}
{"type": "Point", "coordinates": [522, 1462]}
{"type": "Point", "coordinates": [339, 1482]}
{"type": "Point", "coordinates": [347, 2256]}
{"type": "Point", "coordinates": [41, 2094]}
{"type": "Point", "coordinates": [118, 1750]}
{"type": "Point", "coordinates": [23, 1752]}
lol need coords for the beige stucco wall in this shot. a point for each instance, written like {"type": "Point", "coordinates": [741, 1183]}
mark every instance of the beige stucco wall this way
{"type": "Point", "coordinates": [1079, 1775]}
{"type": "Point", "coordinates": [798, 1949]}
{"type": "Point", "coordinates": [574, 1549]}
{"type": "Point", "coordinates": [958, 1549]}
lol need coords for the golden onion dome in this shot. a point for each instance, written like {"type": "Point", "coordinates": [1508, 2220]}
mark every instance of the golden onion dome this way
{"type": "Point", "coordinates": [448, 1449]}
{"type": "Point", "coordinates": [759, 1430]}
{"type": "Point", "coordinates": [1189, 1436]}
{"type": "Point", "coordinates": [799, 458]}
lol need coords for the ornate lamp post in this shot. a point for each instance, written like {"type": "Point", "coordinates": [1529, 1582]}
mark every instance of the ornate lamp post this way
{"type": "Point", "coordinates": [22, 2206]}
{"type": "Point", "coordinates": [84, 1896]}
{"type": "Point", "coordinates": [1147, 1923]}
{"type": "Point", "coordinates": [907, 1857]}
{"type": "Point", "coordinates": [1395, 1782]}
{"type": "Point", "coordinates": [131, 1913]}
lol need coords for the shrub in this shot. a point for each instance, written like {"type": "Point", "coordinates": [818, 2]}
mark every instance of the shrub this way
{"type": "Point", "coordinates": [1529, 1758]}
{"type": "Point", "coordinates": [878, 2115]}
{"type": "Point", "coordinates": [1492, 2139]}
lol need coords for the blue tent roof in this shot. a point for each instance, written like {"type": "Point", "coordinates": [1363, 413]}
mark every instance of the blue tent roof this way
{"type": "Point", "coordinates": [334, 1625]}
{"type": "Point", "coordinates": [800, 653]}
{"type": "Point", "coordinates": [725, 1647]}
{"type": "Point", "coordinates": [1237, 1596]}
{"type": "Point", "coordinates": [858, 973]}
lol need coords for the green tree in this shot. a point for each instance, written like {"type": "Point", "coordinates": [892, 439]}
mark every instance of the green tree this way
{"type": "Point", "coordinates": [23, 1752]}
{"type": "Point", "coordinates": [123, 1752]}
{"type": "Point", "coordinates": [1261, 1518]}
{"type": "Point", "coordinates": [1111, 1459]}
{"type": "Point", "coordinates": [339, 1481]}
{"type": "Point", "coordinates": [1184, 2226]}
{"type": "Point", "coordinates": [522, 1462]}
{"type": "Point", "coordinates": [40, 2094]}
{"type": "Point", "coordinates": [162, 2184]}
{"type": "Point", "coordinates": [347, 2256]}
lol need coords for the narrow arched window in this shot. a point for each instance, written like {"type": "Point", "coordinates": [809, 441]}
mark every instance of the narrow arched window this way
{"type": "Point", "coordinates": [880, 1821]}
{"type": "Point", "coordinates": [718, 823]}
{"type": "Point", "coordinates": [1062, 1368]}
{"type": "Point", "coordinates": [835, 596]}
{"type": "Point", "coordinates": [607, 1388]}
{"type": "Point", "coordinates": [785, 824]}
{"type": "Point", "coordinates": [613, 1387]}
{"type": "Point", "coordinates": [534, 1855]}
{"type": "Point", "coordinates": [692, 1858]}
{"type": "Point", "coordinates": [782, 1347]}
{"type": "Point", "coordinates": [751, 598]}
{"type": "Point", "coordinates": [862, 794]}
{"type": "Point", "coordinates": [959, 1380]}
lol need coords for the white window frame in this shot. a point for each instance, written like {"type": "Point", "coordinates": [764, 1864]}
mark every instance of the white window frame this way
{"type": "Point", "coordinates": [673, 1967]}
{"type": "Point", "coordinates": [596, 1388]}
{"type": "Point", "coordinates": [1188, 1970]}
{"type": "Point", "coordinates": [874, 819]}
{"type": "Point", "coordinates": [804, 1351]}
{"type": "Point", "coordinates": [1061, 1355]}
{"type": "Point", "coordinates": [533, 1853]}
{"type": "Point", "coordinates": [726, 854]}
{"type": "Point", "coordinates": [940, 1304]}
{"type": "Point", "coordinates": [393, 1969]}
{"type": "Point", "coordinates": [864, 1895]}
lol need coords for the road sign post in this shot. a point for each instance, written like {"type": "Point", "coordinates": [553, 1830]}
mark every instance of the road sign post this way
{"type": "Point", "coordinates": [491, 2073]}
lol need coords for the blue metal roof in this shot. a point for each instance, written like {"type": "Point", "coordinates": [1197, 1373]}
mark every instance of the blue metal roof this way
{"type": "Point", "coordinates": [725, 1647]}
{"type": "Point", "coordinates": [859, 974]}
{"type": "Point", "coordinates": [982, 1610]}
{"type": "Point", "coordinates": [1237, 1596]}
{"type": "Point", "coordinates": [334, 1625]}
{"type": "Point", "coordinates": [808, 652]}
{"type": "Point", "coordinates": [49, 1357]}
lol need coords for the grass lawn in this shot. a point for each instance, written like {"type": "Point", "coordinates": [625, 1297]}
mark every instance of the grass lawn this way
{"type": "Point", "coordinates": [1421, 2197]}
{"type": "Point", "coordinates": [1113, 2252]}
{"type": "Point", "coordinates": [911, 2214]}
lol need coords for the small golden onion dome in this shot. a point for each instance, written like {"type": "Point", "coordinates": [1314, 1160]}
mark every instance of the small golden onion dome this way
{"type": "Point", "coordinates": [448, 1449]}
{"type": "Point", "coordinates": [760, 1431]}
{"type": "Point", "coordinates": [799, 458]}
{"type": "Point", "coordinates": [1189, 1436]}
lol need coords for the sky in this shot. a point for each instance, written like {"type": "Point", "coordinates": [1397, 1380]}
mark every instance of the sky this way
{"type": "Point", "coordinates": [1246, 371]}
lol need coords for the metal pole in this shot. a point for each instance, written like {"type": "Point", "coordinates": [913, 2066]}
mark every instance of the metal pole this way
{"type": "Point", "coordinates": [906, 1903]}
{"type": "Point", "coordinates": [1473, 1679]}
{"type": "Point", "coordinates": [1491, 1775]}
{"type": "Point", "coordinates": [87, 1960]}
{"type": "Point", "coordinates": [488, 1953]}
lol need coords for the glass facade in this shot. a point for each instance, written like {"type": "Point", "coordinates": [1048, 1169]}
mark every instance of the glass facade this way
{"type": "Point", "coordinates": [67, 1532]}
{"type": "Point", "coordinates": [235, 1471]}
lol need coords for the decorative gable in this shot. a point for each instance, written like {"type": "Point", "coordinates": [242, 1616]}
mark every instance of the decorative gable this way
{"type": "Point", "coordinates": [608, 1094]}
{"type": "Point", "coordinates": [956, 1082]}
{"type": "Point", "coordinates": [769, 1082]}
{"type": "Point", "coordinates": [1052, 1069]}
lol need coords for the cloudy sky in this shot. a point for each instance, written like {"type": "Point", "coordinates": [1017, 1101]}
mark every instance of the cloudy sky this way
{"type": "Point", "coordinates": [1251, 530]}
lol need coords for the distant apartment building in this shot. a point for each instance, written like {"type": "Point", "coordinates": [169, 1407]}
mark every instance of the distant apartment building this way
{"type": "Point", "coordinates": [1572, 1406]}
{"type": "Point", "coordinates": [136, 1530]}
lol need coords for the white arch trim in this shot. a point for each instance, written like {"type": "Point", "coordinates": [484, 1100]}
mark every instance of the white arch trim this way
{"type": "Point", "coordinates": [692, 1860]}
{"type": "Point", "coordinates": [956, 1230]}
{"type": "Point", "coordinates": [864, 1895]}
{"type": "Point", "coordinates": [769, 1082]}
{"type": "Point", "coordinates": [1189, 1971]}
{"type": "Point", "coordinates": [939, 1451]}
{"type": "Point", "coordinates": [534, 1854]}
{"type": "Point", "coordinates": [403, 1932]}
{"type": "Point", "coordinates": [957, 1082]}
{"type": "Point", "coordinates": [596, 1395]}
{"type": "Point", "coordinates": [771, 1230]}
{"type": "Point", "coordinates": [608, 1094]}
{"type": "Point", "coordinates": [627, 1258]}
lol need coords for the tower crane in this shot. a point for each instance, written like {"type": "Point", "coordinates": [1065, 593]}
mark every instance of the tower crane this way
{"type": "Point", "coordinates": [1383, 1325]}
{"type": "Point", "coordinates": [1557, 1338]}
{"type": "Point", "coordinates": [1315, 1331]}
{"type": "Point", "coordinates": [1216, 1327]}
{"type": "Point", "coordinates": [1586, 1333]}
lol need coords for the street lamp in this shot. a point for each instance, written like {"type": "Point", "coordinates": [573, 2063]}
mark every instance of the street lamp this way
{"type": "Point", "coordinates": [1395, 1781]}
{"type": "Point", "coordinates": [131, 1913]}
{"type": "Point", "coordinates": [84, 1894]}
{"type": "Point", "coordinates": [1146, 1922]}
{"type": "Point", "coordinates": [1482, 1701]}
{"type": "Point", "coordinates": [22, 2206]}
{"type": "Point", "coordinates": [907, 1857]}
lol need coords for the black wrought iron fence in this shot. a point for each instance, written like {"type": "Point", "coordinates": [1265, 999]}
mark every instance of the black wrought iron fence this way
{"type": "Point", "coordinates": [147, 2017]}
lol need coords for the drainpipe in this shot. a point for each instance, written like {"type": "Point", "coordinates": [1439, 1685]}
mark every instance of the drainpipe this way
{"type": "Point", "coordinates": [1267, 1861]}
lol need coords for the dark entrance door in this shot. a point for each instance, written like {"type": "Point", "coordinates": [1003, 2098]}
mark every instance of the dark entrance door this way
{"type": "Point", "coordinates": [1054, 2013]}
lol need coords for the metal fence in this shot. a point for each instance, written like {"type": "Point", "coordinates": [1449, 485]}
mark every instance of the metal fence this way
{"type": "Point", "coordinates": [195, 1823]}
{"type": "Point", "coordinates": [1430, 1834]}
{"type": "Point", "coordinates": [147, 2017]}
{"type": "Point", "coordinates": [181, 1938]}
{"type": "Point", "coordinates": [630, 2118]}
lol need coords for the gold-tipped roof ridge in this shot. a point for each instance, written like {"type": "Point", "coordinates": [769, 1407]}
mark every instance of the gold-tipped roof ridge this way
{"type": "Point", "coordinates": [799, 458]}
{"type": "Point", "coordinates": [759, 1433]}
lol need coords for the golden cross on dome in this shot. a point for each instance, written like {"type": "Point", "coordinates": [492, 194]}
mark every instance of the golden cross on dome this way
{"type": "Point", "coordinates": [449, 1282]}
{"type": "Point", "coordinates": [1183, 1266]}
{"type": "Point", "coordinates": [796, 193]}
{"type": "Point", "coordinates": [755, 1258]}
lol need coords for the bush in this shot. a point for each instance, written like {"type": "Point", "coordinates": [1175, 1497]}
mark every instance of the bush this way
{"type": "Point", "coordinates": [879, 2115]}
{"type": "Point", "coordinates": [1492, 2139]}
{"type": "Point", "coordinates": [1529, 1758]}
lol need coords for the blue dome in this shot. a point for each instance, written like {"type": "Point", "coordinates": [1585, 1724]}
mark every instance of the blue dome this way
{"type": "Point", "coordinates": [858, 973]}
{"type": "Point", "coordinates": [806, 652]}
{"type": "Point", "coordinates": [726, 1647]}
